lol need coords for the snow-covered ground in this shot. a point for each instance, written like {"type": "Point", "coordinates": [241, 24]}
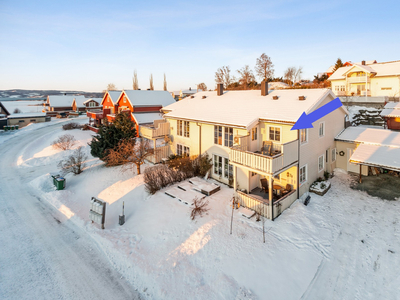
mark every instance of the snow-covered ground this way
{"type": "Point", "coordinates": [344, 245]}
{"type": "Point", "coordinates": [24, 106]}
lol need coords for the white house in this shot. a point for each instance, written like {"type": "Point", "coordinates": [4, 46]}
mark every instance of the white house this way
{"type": "Point", "coordinates": [367, 79]}
{"type": "Point", "coordinates": [62, 102]}
{"type": "Point", "coordinates": [249, 138]}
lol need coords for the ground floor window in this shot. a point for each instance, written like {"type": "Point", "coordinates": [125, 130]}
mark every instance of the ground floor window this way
{"type": "Point", "coordinates": [182, 150]}
{"type": "Point", "coordinates": [320, 163]}
{"type": "Point", "coordinates": [222, 167]}
{"type": "Point", "coordinates": [303, 174]}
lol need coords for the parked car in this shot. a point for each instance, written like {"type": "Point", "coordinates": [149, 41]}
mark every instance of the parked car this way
{"type": "Point", "coordinates": [61, 115]}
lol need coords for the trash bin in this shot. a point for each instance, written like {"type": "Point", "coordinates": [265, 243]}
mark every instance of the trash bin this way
{"type": "Point", "coordinates": [5, 128]}
{"type": "Point", "coordinates": [12, 127]}
{"type": "Point", "coordinates": [60, 183]}
{"type": "Point", "coordinates": [54, 178]}
{"type": "Point", "coordinates": [16, 127]}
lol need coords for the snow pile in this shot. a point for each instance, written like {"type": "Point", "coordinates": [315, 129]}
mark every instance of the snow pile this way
{"type": "Point", "coordinates": [320, 186]}
{"type": "Point", "coordinates": [344, 245]}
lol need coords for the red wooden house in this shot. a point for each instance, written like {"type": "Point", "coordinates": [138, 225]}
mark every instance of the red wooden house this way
{"type": "Point", "coordinates": [109, 107]}
{"type": "Point", "coordinates": [391, 115]}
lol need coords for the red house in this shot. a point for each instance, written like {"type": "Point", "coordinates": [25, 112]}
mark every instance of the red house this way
{"type": "Point", "coordinates": [109, 107]}
{"type": "Point", "coordinates": [391, 115]}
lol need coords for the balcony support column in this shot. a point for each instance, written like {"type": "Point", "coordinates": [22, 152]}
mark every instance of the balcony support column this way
{"type": "Point", "coordinates": [234, 178]}
{"type": "Point", "coordinates": [270, 182]}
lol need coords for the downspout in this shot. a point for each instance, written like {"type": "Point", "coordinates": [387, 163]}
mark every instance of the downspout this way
{"type": "Point", "coordinates": [197, 123]}
{"type": "Point", "coordinates": [298, 166]}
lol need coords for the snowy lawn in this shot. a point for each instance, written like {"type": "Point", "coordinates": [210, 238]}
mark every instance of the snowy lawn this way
{"type": "Point", "coordinates": [344, 245]}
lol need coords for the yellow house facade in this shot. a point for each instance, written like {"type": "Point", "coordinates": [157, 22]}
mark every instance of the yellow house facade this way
{"type": "Point", "coordinates": [376, 79]}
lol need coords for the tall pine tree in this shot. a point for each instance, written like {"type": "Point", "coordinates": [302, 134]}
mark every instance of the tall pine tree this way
{"type": "Point", "coordinates": [338, 64]}
{"type": "Point", "coordinates": [110, 134]}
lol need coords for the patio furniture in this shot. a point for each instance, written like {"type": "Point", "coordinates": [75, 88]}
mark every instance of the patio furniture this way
{"type": "Point", "coordinates": [266, 148]}
{"type": "Point", "coordinates": [287, 190]}
{"type": "Point", "coordinates": [278, 189]}
{"type": "Point", "coordinates": [264, 185]}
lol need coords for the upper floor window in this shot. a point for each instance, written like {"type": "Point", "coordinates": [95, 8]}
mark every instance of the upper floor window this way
{"type": "Point", "coordinates": [183, 128]}
{"type": "Point", "coordinates": [228, 136]}
{"type": "Point", "coordinates": [321, 131]}
{"type": "Point", "coordinates": [275, 134]}
{"type": "Point", "coordinates": [303, 136]}
{"type": "Point", "coordinates": [254, 134]}
{"type": "Point", "coordinates": [218, 135]}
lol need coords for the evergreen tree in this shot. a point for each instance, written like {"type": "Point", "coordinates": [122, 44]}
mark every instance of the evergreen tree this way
{"type": "Point", "coordinates": [110, 134]}
{"type": "Point", "coordinates": [338, 64]}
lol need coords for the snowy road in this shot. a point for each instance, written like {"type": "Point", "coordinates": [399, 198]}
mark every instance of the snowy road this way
{"type": "Point", "coordinates": [43, 255]}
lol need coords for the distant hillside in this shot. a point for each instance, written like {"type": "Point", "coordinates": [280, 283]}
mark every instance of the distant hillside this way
{"type": "Point", "coordinates": [44, 93]}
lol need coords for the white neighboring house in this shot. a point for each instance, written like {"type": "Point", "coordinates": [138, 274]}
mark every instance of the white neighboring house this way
{"type": "Point", "coordinates": [364, 79]}
{"type": "Point", "coordinates": [83, 104]}
{"type": "Point", "coordinates": [249, 138]}
{"type": "Point", "coordinates": [63, 102]}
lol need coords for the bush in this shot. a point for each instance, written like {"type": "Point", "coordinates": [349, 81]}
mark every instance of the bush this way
{"type": "Point", "coordinates": [326, 175]}
{"type": "Point", "coordinates": [85, 127]}
{"type": "Point", "coordinates": [199, 207]}
{"type": "Point", "coordinates": [323, 185]}
{"type": "Point", "coordinates": [64, 142]}
{"type": "Point", "coordinates": [71, 125]}
{"type": "Point", "coordinates": [17, 111]}
{"type": "Point", "coordinates": [74, 163]}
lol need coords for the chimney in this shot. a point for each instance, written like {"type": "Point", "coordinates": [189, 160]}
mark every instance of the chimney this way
{"type": "Point", "coordinates": [275, 97]}
{"type": "Point", "coordinates": [190, 88]}
{"type": "Point", "coordinates": [264, 88]}
{"type": "Point", "coordinates": [220, 89]}
{"type": "Point", "coordinates": [302, 98]}
{"type": "Point", "coordinates": [363, 62]}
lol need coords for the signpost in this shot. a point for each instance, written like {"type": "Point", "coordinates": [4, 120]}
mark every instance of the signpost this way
{"type": "Point", "coordinates": [97, 211]}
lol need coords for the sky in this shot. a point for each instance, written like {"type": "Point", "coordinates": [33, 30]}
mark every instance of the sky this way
{"type": "Point", "coordinates": [85, 45]}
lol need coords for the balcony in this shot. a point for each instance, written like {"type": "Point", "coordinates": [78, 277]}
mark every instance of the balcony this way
{"type": "Point", "coordinates": [358, 79]}
{"type": "Point", "coordinates": [159, 128]}
{"type": "Point", "coordinates": [96, 115]}
{"type": "Point", "coordinates": [159, 154]}
{"type": "Point", "coordinates": [283, 155]}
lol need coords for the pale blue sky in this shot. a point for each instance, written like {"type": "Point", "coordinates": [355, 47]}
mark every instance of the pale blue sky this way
{"type": "Point", "coordinates": [84, 45]}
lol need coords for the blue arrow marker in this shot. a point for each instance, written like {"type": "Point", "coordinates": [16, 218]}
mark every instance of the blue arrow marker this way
{"type": "Point", "coordinates": [305, 121]}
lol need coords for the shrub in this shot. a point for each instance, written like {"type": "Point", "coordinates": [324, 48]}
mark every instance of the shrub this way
{"type": "Point", "coordinates": [17, 111]}
{"type": "Point", "coordinates": [319, 179]}
{"type": "Point", "coordinates": [64, 142]}
{"type": "Point", "coordinates": [199, 207]}
{"type": "Point", "coordinates": [323, 185]}
{"type": "Point", "coordinates": [85, 127]}
{"type": "Point", "coordinates": [326, 175]}
{"type": "Point", "coordinates": [74, 163]}
{"type": "Point", "coordinates": [71, 125]}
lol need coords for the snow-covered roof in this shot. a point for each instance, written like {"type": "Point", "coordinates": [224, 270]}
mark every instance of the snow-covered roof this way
{"type": "Point", "coordinates": [149, 98]}
{"type": "Point", "coordinates": [3, 109]}
{"type": "Point", "coordinates": [241, 108]}
{"type": "Point", "coordinates": [386, 157]}
{"type": "Point", "coordinates": [64, 100]}
{"type": "Point", "coordinates": [374, 136]}
{"type": "Point", "coordinates": [330, 69]}
{"type": "Point", "coordinates": [395, 105]}
{"type": "Point", "coordinates": [380, 69]}
{"type": "Point", "coordinates": [114, 95]}
{"type": "Point", "coordinates": [390, 112]}
{"type": "Point", "coordinates": [146, 118]}
{"type": "Point", "coordinates": [27, 115]}
{"type": "Point", "coordinates": [98, 100]}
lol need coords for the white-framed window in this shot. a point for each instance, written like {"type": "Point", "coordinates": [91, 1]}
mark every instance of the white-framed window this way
{"type": "Point", "coordinates": [303, 136]}
{"type": "Point", "coordinates": [218, 135]}
{"type": "Point", "coordinates": [275, 134]}
{"type": "Point", "coordinates": [337, 88]}
{"type": "Point", "coordinates": [222, 167]}
{"type": "Point", "coordinates": [182, 150]}
{"type": "Point", "coordinates": [321, 129]}
{"type": "Point", "coordinates": [254, 134]}
{"type": "Point", "coordinates": [321, 162]}
{"type": "Point", "coordinates": [303, 174]}
{"type": "Point", "coordinates": [333, 155]}
{"type": "Point", "coordinates": [342, 88]}
{"type": "Point", "coordinates": [228, 136]}
{"type": "Point", "coordinates": [183, 128]}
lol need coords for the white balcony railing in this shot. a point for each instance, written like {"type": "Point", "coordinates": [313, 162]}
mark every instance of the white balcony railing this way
{"type": "Point", "coordinates": [159, 154]}
{"type": "Point", "coordinates": [268, 164]}
{"type": "Point", "coordinates": [358, 79]}
{"type": "Point", "coordinates": [158, 129]}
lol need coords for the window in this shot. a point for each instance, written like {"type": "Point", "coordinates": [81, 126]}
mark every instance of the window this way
{"type": "Point", "coordinates": [34, 120]}
{"type": "Point", "coordinates": [218, 135]}
{"type": "Point", "coordinates": [337, 88]}
{"type": "Point", "coordinates": [333, 155]}
{"type": "Point", "coordinates": [321, 129]}
{"type": "Point", "coordinates": [303, 136]}
{"type": "Point", "coordinates": [386, 88]}
{"type": "Point", "coordinates": [218, 165]}
{"type": "Point", "coordinates": [303, 174]}
{"type": "Point", "coordinates": [342, 88]}
{"type": "Point", "coordinates": [21, 121]}
{"type": "Point", "coordinates": [320, 163]}
{"type": "Point", "coordinates": [183, 128]}
{"type": "Point", "coordinates": [275, 134]}
{"type": "Point", "coordinates": [228, 136]}
{"type": "Point", "coordinates": [254, 134]}
{"type": "Point", "coordinates": [182, 150]}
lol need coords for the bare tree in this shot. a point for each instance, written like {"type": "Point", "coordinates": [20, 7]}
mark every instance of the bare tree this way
{"type": "Point", "coordinates": [17, 111]}
{"type": "Point", "coordinates": [297, 74]}
{"type": "Point", "coordinates": [165, 82]}
{"type": "Point", "coordinates": [75, 163]}
{"type": "Point", "coordinates": [151, 82]}
{"type": "Point", "coordinates": [289, 75]}
{"type": "Point", "coordinates": [246, 76]}
{"type": "Point", "coordinates": [202, 86]}
{"type": "Point", "coordinates": [223, 75]}
{"type": "Point", "coordinates": [264, 67]}
{"type": "Point", "coordinates": [141, 151]}
{"type": "Point", "coordinates": [199, 207]}
{"type": "Point", "coordinates": [135, 84]}
{"type": "Point", "coordinates": [110, 87]}
{"type": "Point", "coordinates": [64, 142]}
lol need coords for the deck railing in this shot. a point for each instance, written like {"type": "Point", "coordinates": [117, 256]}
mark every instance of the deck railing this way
{"type": "Point", "coordinates": [159, 129]}
{"type": "Point", "coordinates": [283, 203]}
{"type": "Point", "coordinates": [269, 164]}
{"type": "Point", "coordinates": [159, 154]}
{"type": "Point", "coordinates": [360, 79]}
{"type": "Point", "coordinates": [252, 203]}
